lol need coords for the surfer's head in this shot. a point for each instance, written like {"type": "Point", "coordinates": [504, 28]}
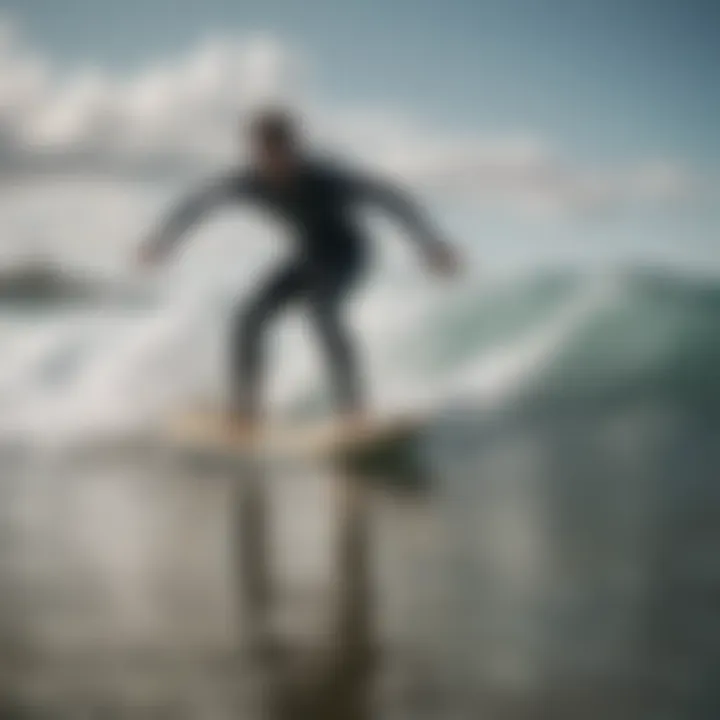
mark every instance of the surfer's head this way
{"type": "Point", "coordinates": [274, 144]}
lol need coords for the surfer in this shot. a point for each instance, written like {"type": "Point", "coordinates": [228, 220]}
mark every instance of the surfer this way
{"type": "Point", "coordinates": [315, 198]}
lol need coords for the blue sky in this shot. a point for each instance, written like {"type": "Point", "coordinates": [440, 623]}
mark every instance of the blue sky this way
{"type": "Point", "coordinates": [610, 77]}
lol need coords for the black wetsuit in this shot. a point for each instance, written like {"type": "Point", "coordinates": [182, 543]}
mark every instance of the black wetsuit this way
{"type": "Point", "coordinates": [318, 206]}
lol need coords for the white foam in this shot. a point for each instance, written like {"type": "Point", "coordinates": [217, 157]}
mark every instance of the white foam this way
{"type": "Point", "coordinates": [134, 367]}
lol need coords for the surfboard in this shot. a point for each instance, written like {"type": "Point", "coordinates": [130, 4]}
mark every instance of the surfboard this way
{"type": "Point", "coordinates": [379, 445]}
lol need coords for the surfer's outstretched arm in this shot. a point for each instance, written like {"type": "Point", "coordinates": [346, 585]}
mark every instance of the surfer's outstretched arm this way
{"type": "Point", "coordinates": [188, 213]}
{"type": "Point", "coordinates": [399, 203]}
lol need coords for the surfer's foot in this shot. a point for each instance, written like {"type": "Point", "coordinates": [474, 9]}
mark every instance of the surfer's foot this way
{"type": "Point", "coordinates": [354, 421]}
{"type": "Point", "coordinates": [243, 423]}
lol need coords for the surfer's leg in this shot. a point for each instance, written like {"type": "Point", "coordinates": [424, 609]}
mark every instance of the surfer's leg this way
{"type": "Point", "coordinates": [247, 344]}
{"type": "Point", "coordinates": [326, 298]}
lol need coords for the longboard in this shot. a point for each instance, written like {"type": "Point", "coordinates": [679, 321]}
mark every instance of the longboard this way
{"type": "Point", "coordinates": [380, 445]}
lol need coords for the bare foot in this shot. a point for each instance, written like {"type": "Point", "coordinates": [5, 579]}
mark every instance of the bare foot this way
{"type": "Point", "coordinates": [354, 422]}
{"type": "Point", "coordinates": [243, 424]}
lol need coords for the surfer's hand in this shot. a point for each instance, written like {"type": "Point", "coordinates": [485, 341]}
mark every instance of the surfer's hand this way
{"type": "Point", "coordinates": [150, 255]}
{"type": "Point", "coordinates": [443, 260]}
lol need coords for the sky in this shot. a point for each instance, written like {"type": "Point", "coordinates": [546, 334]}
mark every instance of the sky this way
{"type": "Point", "coordinates": [596, 115]}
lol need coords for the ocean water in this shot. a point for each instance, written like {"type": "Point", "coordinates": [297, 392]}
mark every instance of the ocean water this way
{"type": "Point", "coordinates": [561, 564]}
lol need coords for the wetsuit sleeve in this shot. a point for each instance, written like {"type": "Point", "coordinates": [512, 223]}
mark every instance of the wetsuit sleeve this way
{"type": "Point", "coordinates": [399, 203]}
{"type": "Point", "coordinates": [194, 207]}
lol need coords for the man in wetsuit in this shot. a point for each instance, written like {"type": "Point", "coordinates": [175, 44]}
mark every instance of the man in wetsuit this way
{"type": "Point", "coordinates": [317, 200]}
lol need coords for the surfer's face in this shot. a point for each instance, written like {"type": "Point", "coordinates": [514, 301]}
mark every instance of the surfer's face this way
{"type": "Point", "coordinates": [273, 150]}
{"type": "Point", "coordinates": [275, 164]}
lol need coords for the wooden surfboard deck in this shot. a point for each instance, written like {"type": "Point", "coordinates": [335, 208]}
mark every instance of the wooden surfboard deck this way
{"type": "Point", "coordinates": [386, 445]}
{"type": "Point", "coordinates": [215, 431]}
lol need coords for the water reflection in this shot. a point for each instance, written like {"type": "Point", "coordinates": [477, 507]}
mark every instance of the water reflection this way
{"type": "Point", "coordinates": [559, 566]}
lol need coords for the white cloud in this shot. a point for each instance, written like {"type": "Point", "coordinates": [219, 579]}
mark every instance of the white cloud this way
{"type": "Point", "coordinates": [518, 171]}
{"type": "Point", "coordinates": [178, 113]}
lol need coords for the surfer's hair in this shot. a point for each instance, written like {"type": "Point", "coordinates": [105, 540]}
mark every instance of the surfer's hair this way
{"type": "Point", "coordinates": [275, 127]}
